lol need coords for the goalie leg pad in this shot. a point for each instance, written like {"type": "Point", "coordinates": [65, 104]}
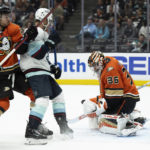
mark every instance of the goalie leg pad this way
{"type": "Point", "coordinates": [108, 124]}
{"type": "Point", "coordinates": [113, 124]}
{"type": "Point", "coordinates": [137, 117]}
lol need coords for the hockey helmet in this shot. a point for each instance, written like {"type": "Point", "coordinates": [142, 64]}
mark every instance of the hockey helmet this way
{"type": "Point", "coordinates": [41, 13]}
{"type": "Point", "coordinates": [96, 61]}
{"type": "Point", "coordinates": [4, 9]}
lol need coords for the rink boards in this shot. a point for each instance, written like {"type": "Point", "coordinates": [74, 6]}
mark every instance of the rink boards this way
{"type": "Point", "coordinates": [75, 69]}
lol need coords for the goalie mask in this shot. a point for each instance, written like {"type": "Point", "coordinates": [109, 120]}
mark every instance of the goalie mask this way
{"type": "Point", "coordinates": [41, 13]}
{"type": "Point", "coordinates": [96, 61]}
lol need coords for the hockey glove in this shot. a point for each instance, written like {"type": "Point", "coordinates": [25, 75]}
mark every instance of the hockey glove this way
{"type": "Point", "coordinates": [101, 106]}
{"type": "Point", "coordinates": [54, 69]}
{"type": "Point", "coordinates": [53, 40]}
{"type": "Point", "coordinates": [50, 44]}
{"type": "Point", "coordinates": [89, 107]}
{"type": "Point", "coordinates": [54, 36]}
{"type": "Point", "coordinates": [31, 33]}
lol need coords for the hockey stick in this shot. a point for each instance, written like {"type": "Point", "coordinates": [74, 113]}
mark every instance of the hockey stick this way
{"type": "Point", "coordinates": [20, 43]}
{"type": "Point", "coordinates": [80, 117]}
{"type": "Point", "coordinates": [55, 57]}
{"type": "Point", "coordinates": [76, 119]}
{"type": "Point", "coordinates": [140, 87]}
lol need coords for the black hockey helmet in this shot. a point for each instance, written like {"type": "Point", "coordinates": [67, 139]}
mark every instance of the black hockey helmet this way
{"type": "Point", "coordinates": [4, 9]}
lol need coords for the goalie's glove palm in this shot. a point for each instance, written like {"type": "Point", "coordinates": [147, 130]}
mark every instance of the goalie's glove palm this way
{"type": "Point", "coordinates": [55, 69]}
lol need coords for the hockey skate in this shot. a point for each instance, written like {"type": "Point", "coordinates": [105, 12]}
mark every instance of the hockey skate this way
{"type": "Point", "coordinates": [65, 131]}
{"type": "Point", "coordinates": [34, 137]}
{"type": "Point", "coordinates": [45, 131]}
{"type": "Point", "coordinates": [141, 120]}
{"type": "Point", "coordinates": [130, 130]}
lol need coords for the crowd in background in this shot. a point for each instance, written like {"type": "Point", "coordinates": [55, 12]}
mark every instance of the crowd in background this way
{"type": "Point", "coordinates": [22, 11]}
{"type": "Point", "coordinates": [131, 30]}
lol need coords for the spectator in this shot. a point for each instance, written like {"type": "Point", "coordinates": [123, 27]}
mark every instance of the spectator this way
{"type": "Point", "coordinates": [139, 18]}
{"type": "Point", "coordinates": [119, 30]}
{"type": "Point", "coordinates": [43, 4]}
{"type": "Point", "coordinates": [35, 3]}
{"type": "Point", "coordinates": [128, 12]}
{"type": "Point", "coordinates": [129, 30]}
{"type": "Point", "coordinates": [59, 17]}
{"type": "Point", "coordinates": [112, 4]}
{"type": "Point", "coordinates": [100, 5]}
{"type": "Point", "coordinates": [110, 15]}
{"type": "Point", "coordinates": [143, 29]}
{"type": "Point", "coordinates": [89, 30]}
{"type": "Point", "coordinates": [98, 15]}
{"type": "Point", "coordinates": [102, 31]}
{"type": "Point", "coordinates": [138, 45]}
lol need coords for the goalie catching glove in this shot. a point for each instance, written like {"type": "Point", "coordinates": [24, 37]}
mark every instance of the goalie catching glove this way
{"type": "Point", "coordinates": [55, 69]}
{"type": "Point", "coordinates": [89, 106]}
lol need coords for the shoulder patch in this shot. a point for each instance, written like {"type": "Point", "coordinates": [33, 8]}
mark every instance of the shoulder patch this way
{"type": "Point", "coordinates": [110, 68]}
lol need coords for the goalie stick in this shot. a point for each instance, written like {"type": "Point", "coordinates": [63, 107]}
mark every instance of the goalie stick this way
{"type": "Point", "coordinates": [20, 43]}
{"type": "Point", "coordinates": [76, 119]}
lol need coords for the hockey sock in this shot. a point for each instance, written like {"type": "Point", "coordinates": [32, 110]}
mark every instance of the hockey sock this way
{"type": "Point", "coordinates": [60, 118]}
{"type": "Point", "coordinates": [37, 112]}
{"type": "Point", "coordinates": [34, 122]}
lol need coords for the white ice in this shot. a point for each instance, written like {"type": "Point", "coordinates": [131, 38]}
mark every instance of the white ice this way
{"type": "Point", "coordinates": [13, 124]}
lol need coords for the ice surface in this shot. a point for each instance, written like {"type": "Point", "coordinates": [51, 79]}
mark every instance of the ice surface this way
{"type": "Point", "coordinates": [13, 124]}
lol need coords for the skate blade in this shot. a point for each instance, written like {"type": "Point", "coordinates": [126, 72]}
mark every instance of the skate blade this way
{"type": "Point", "coordinates": [31, 141]}
{"type": "Point", "coordinates": [66, 136]}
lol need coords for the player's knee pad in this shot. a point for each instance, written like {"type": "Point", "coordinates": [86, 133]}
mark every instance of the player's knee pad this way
{"type": "Point", "coordinates": [40, 107]}
{"type": "Point", "coordinates": [4, 105]}
{"type": "Point", "coordinates": [59, 98]}
{"type": "Point", "coordinates": [58, 104]}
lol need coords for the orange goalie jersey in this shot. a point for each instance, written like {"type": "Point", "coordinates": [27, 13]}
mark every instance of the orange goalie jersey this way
{"type": "Point", "coordinates": [116, 81]}
{"type": "Point", "coordinates": [8, 38]}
